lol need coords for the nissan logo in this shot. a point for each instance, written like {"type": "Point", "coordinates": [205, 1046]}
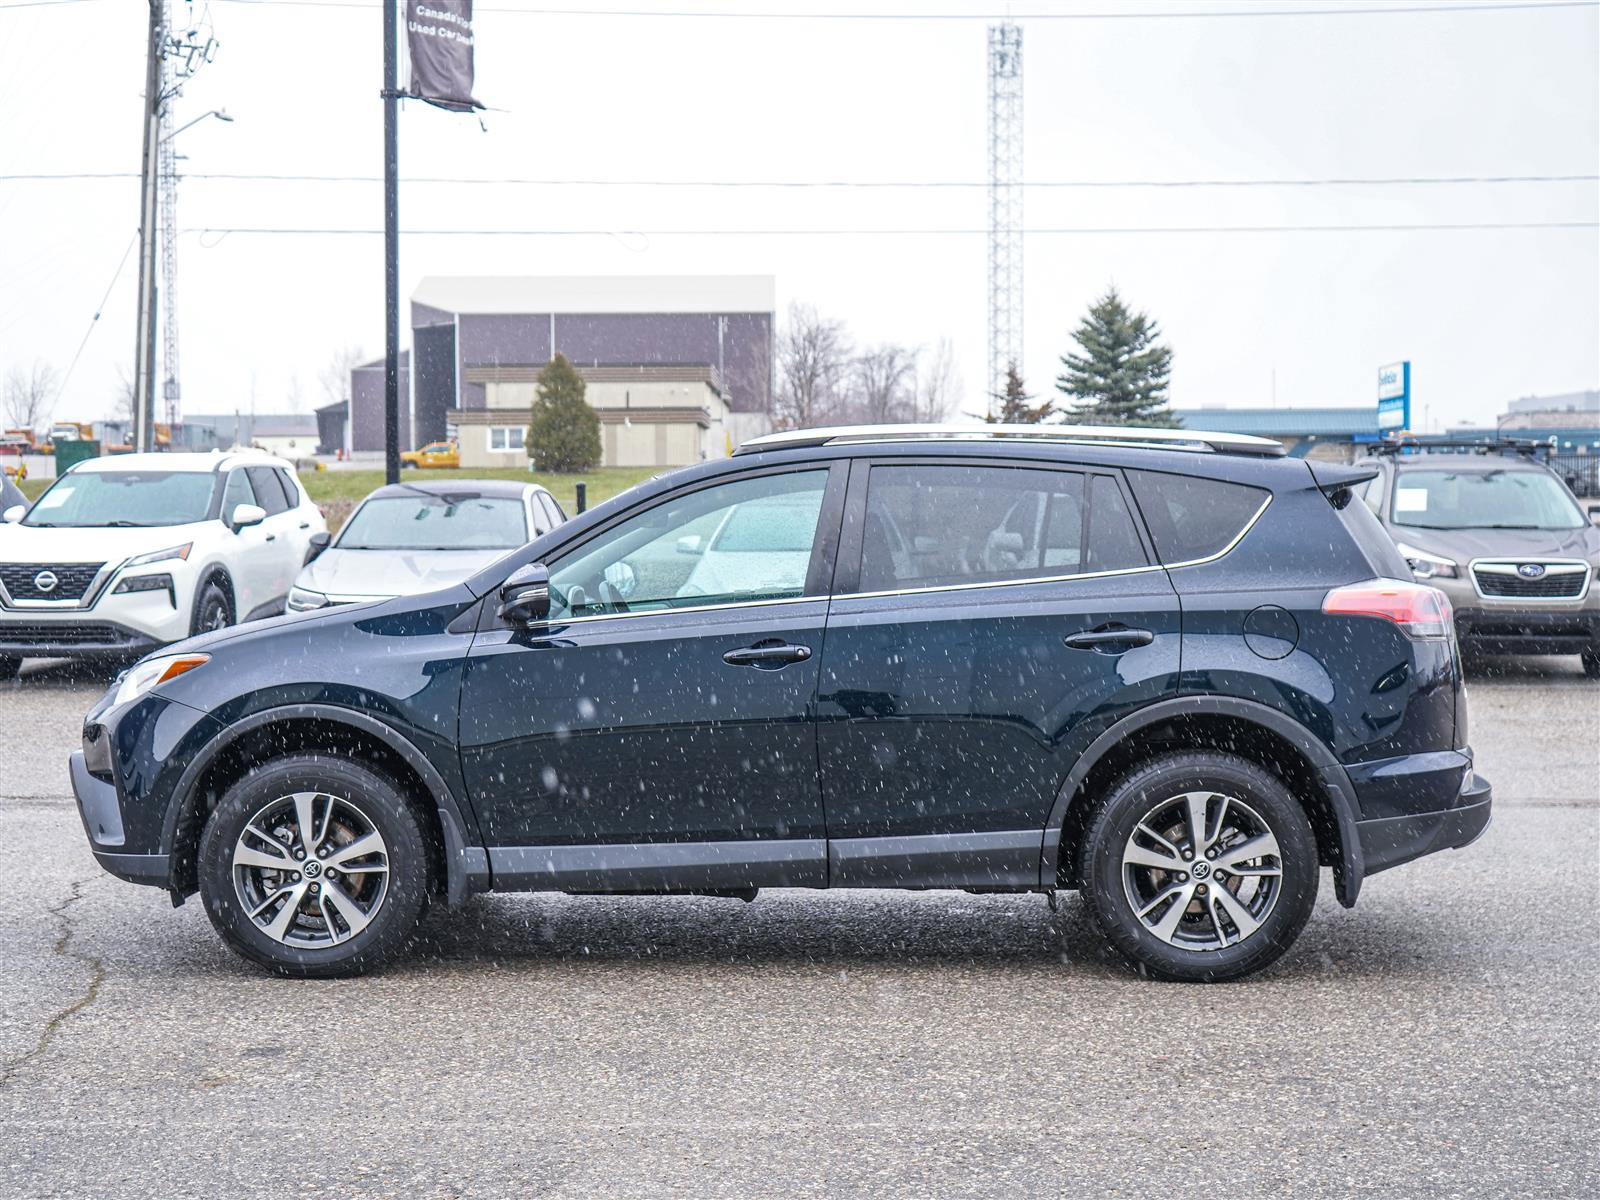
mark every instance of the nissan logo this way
{"type": "Point", "coordinates": [45, 581]}
{"type": "Point", "coordinates": [1531, 570]}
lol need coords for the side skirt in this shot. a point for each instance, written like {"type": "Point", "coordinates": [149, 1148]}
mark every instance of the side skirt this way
{"type": "Point", "coordinates": [661, 866]}
{"type": "Point", "coordinates": [1007, 860]}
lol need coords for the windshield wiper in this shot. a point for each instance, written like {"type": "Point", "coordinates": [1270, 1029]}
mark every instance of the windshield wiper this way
{"type": "Point", "coordinates": [124, 523]}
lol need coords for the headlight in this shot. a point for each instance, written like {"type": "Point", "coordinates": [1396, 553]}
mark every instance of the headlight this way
{"type": "Point", "coordinates": [142, 677]}
{"type": "Point", "coordinates": [161, 555]}
{"type": "Point", "coordinates": [1428, 566]}
{"type": "Point", "coordinates": [304, 599]}
{"type": "Point", "coordinates": [145, 583]}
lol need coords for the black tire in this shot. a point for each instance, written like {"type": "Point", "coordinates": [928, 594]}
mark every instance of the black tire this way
{"type": "Point", "coordinates": [1255, 797]}
{"type": "Point", "coordinates": [10, 666]}
{"type": "Point", "coordinates": [213, 608]}
{"type": "Point", "coordinates": [397, 907]}
{"type": "Point", "coordinates": [1590, 659]}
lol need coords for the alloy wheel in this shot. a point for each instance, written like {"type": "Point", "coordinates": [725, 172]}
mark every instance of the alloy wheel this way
{"type": "Point", "coordinates": [311, 870]}
{"type": "Point", "coordinates": [1202, 871]}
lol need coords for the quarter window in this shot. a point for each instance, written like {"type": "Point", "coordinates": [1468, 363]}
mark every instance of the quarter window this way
{"type": "Point", "coordinates": [739, 542]}
{"type": "Point", "coordinates": [1192, 518]}
{"type": "Point", "coordinates": [932, 526]}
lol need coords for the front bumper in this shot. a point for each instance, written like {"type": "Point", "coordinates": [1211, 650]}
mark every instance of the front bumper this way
{"type": "Point", "coordinates": [1515, 629]}
{"type": "Point", "coordinates": [114, 623]}
{"type": "Point", "coordinates": [101, 813]}
{"type": "Point", "coordinates": [1389, 841]}
{"type": "Point", "coordinates": [27, 637]}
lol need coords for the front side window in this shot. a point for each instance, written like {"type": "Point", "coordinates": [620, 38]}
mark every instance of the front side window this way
{"type": "Point", "coordinates": [933, 526]}
{"type": "Point", "coordinates": [1483, 500]}
{"type": "Point", "coordinates": [506, 437]}
{"type": "Point", "coordinates": [239, 491]}
{"type": "Point", "coordinates": [429, 521]}
{"type": "Point", "coordinates": [86, 499]}
{"type": "Point", "coordinates": [740, 542]}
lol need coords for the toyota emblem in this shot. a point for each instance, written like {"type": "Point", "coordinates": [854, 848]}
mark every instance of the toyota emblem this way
{"type": "Point", "coordinates": [1531, 570]}
{"type": "Point", "coordinates": [45, 581]}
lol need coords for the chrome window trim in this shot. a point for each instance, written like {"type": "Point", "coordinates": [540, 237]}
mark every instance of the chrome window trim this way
{"type": "Point", "coordinates": [669, 612]}
{"type": "Point", "coordinates": [1552, 566]}
{"type": "Point", "coordinates": [994, 583]}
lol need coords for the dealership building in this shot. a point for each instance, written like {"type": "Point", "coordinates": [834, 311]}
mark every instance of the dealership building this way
{"type": "Point", "coordinates": [677, 367]}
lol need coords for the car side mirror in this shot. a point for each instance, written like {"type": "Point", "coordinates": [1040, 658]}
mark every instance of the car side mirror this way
{"type": "Point", "coordinates": [319, 543]}
{"type": "Point", "coordinates": [525, 595]}
{"type": "Point", "coordinates": [247, 514]}
{"type": "Point", "coordinates": [1594, 511]}
{"type": "Point", "coordinates": [14, 514]}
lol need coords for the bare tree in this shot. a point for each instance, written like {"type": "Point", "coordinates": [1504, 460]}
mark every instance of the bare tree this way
{"type": "Point", "coordinates": [29, 393]}
{"type": "Point", "coordinates": [126, 397]}
{"type": "Point", "coordinates": [334, 378]}
{"type": "Point", "coordinates": [813, 361]}
{"type": "Point", "coordinates": [938, 386]}
{"type": "Point", "coordinates": [885, 384]}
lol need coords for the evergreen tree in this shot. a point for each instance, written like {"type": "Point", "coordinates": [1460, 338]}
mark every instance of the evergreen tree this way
{"type": "Point", "coordinates": [1120, 378]}
{"type": "Point", "coordinates": [1015, 407]}
{"type": "Point", "coordinates": [564, 432]}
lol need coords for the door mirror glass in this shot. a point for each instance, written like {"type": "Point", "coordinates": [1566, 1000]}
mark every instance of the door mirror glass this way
{"type": "Point", "coordinates": [319, 543]}
{"type": "Point", "coordinates": [525, 596]}
{"type": "Point", "coordinates": [247, 514]}
{"type": "Point", "coordinates": [17, 511]}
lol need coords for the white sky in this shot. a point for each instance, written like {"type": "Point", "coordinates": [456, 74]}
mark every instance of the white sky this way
{"type": "Point", "coordinates": [1485, 316]}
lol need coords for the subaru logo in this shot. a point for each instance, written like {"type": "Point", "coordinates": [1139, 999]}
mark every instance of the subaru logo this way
{"type": "Point", "coordinates": [45, 581]}
{"type": "Point", "coordinates": [1531, 570]}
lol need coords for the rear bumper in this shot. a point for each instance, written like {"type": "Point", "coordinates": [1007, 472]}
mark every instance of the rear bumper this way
{"type": "Point", "coordinates": [101, 813]}
{"type": "Point", "coordinates": [1389, 841]}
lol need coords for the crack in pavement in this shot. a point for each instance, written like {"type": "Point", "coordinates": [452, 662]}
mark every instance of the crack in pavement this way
{"type": "Point", "coordinates": [63, 949]}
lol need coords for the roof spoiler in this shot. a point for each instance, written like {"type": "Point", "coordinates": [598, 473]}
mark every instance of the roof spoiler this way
{"type": "Point", "coordinates": [1336, 477]}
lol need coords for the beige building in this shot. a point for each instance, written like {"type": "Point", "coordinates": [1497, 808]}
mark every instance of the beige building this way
{"type": "Point", "coordinates": [650, 416]}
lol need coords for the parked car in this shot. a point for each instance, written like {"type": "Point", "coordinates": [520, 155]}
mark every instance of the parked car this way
{"type": "Point", "coordinates": [127, 553]}
{"type": "Point", "coordinates": [1505, 539]}
{"type": "Point", "coordinates": [1172, 670]}
{"type": "Point", "coordinates": [419, 537]}
{"type": "Point", "coordinates": [434, 454]}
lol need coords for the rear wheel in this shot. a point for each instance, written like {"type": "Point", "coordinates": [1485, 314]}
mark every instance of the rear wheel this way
{"type": "Point", "coordinates": [1199, 867]}
{"type": "Point", "coordinates": [213, 609]}
{"type": "Point", "coordinates": [314, 867]}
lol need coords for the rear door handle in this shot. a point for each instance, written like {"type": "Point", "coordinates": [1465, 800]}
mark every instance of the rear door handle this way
{"type": "Point", "coordinates": [305, 524]}
{"type": "Point", "coordinates": [767, 657]}
{"type": "Point", "coordinates": [271, 537]}
{"type": "Point", "coordinates": [1109, 639]}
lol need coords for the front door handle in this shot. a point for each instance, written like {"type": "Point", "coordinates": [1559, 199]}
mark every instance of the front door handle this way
{"type": "Point", "coordinates": [271, 537]}
{"type": "Point", "coordinates": [1109, 639]}
{"type": "Point", "coordinates": [305, 524]}
{"type": "Point", "coordinates": [768, 656]}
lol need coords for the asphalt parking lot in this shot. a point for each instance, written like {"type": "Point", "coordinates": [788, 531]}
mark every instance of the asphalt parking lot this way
{"type": "Point", "coordinates": [1441, 1039]}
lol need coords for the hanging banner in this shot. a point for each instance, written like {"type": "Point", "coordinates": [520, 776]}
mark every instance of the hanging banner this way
{"type": "Point", "coordinates": [439, 38]}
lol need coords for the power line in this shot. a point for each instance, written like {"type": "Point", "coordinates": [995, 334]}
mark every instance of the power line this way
{"type": "Point", "coordinates": [1085, 230]}
{"type": "Point", "coordinates": [94, 320]}
{"type": "Point", "coordinates": [860, 184]}
{"type": "Point", "coordinates": [1111, 15]}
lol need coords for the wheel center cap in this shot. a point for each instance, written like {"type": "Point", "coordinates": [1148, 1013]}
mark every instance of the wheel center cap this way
{"type": "Point", "coordinates": [1201, 869]}
{"type": "Point", "coordinates": [312, 869]}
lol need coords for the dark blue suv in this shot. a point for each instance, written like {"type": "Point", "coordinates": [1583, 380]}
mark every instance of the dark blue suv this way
{"type": "Point", "coordinates": [1175, 671]}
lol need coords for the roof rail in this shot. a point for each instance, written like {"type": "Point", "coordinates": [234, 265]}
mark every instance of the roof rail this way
{"type": "Point", "coordinates": [1123, 435]}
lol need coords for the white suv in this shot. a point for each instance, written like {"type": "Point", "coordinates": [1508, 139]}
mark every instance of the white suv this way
{"type": "Point", "coordinates": [126, 553]}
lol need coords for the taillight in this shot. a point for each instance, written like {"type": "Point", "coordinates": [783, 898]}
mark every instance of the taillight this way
{"type": "Point", "coordinates": [1422, 611]}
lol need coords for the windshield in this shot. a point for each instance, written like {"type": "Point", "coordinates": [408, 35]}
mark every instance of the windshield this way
{"type": "Point", "coordinates": [430, 522]}
{"type": "Point", "coordinates": [1483, 500]}
{"type": "Point", "coordinates": [89, 499]}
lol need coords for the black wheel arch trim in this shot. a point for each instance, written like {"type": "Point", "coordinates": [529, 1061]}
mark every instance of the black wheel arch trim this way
{"type": "Point", "coordinates": [1347, 872]}
{"type": "Point", "coordinates": [466, 866]}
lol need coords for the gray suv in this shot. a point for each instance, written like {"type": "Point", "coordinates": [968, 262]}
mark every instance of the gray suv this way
{"type": "Point", "coordinates": [1503, 537]}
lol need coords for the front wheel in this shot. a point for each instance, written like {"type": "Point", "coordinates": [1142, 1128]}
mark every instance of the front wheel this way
{"type": "Point", "coordinates": [1591, 663]}
{"type": "Point", "coordinates": [1199, 867]}
{"type": "Point", "coordinates": [213, 609]}
{"type": "Point", "coordinates": [314, 867]}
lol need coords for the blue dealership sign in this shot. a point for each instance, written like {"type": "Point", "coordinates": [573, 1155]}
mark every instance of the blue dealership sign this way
{"type": "Point", "coordinates": [1394, 397]}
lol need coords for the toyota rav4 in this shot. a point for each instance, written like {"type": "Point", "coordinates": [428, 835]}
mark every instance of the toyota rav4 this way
{"type": "Point", "coordinates": [1174, 671]}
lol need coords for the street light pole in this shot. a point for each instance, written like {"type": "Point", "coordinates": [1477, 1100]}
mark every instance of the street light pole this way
{"type": "Point", "coordinates": [391, 246]}
{"type": "Point", "coordinates": [144, 359]}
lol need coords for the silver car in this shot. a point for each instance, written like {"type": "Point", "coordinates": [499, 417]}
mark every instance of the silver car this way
{"type": "Point", "coordinates": [1505, 539]}
{"type": "Point", "coordinates": [408, 538]}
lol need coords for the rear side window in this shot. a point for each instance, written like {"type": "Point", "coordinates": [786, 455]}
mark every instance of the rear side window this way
{"type": "Point", "coordinates": [1193, 518]}
{"type": "Point", "coordinates": [1114, 543]}
{"type": "Point", "coordinates": [933, 526]}
{"type": "Point", "coordinates": [291, 489]}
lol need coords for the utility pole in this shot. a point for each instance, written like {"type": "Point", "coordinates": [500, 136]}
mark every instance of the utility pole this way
{"type": "Point", "coordinates": [391, 245]}
{"type": "Point", "coordinates": [144, 373]}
